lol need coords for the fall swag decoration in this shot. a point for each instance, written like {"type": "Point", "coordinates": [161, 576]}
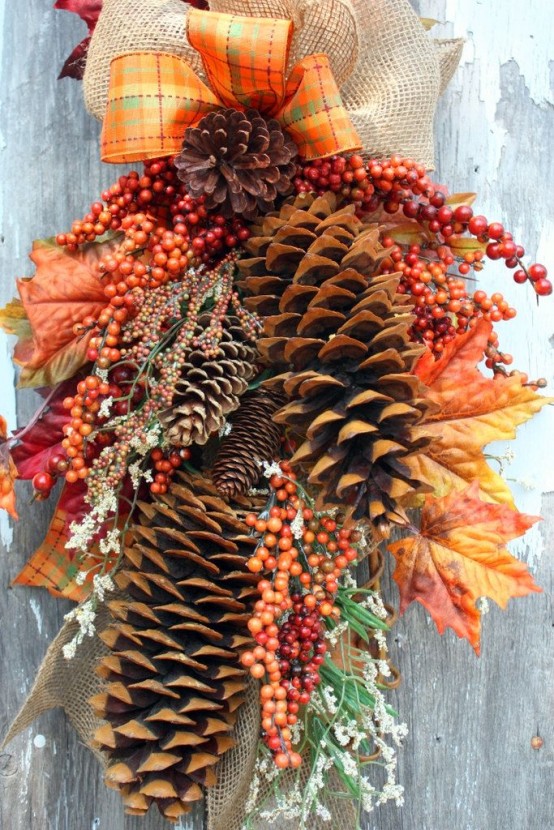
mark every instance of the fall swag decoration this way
{"type": "Point", "coordinates": [258, 355]}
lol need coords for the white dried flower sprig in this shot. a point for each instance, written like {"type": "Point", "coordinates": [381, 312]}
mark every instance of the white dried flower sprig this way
{"type": "Point", "coordinates": [334, 738]}
{"type": "Point", "coordinates": [85, 613]}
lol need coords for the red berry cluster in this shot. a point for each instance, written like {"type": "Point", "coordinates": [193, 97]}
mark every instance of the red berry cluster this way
{"type": "Point", "coordinates": [160, 194]}
{"type": "Point", "coordinates": [449, 237]}
{"type": "Point", "coordinates": [306, 554]}
{"type": "Point", "coordinates": [301, 650]}
{"type": "Point", "coordinates": [165, 465]}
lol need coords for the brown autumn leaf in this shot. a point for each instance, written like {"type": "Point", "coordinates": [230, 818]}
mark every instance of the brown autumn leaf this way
{"type": "Point", "coordinates": [458, 555]}
{"type": "Point", "coordinates": [8, 473]}
{"type": "Point", "coordinates": [454, 200]}
{"type": "Point", "coordinates": [470, 411]}
{"type": "Point", "coordinates": [66, 287]}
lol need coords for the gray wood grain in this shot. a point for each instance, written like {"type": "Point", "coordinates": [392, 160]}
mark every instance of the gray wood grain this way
{"type": "Point", "coordinates": [468, 762]}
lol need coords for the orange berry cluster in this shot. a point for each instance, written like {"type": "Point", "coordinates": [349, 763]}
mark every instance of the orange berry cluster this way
{"type": "Point", "coordinates": [131, 338]}
{"type": "Point", "coordinates": [301, 558]}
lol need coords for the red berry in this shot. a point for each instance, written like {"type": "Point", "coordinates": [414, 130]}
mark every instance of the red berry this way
{"type": "Point", "coordinates": [537, 272]}
{"type": "Point", "coordinates": [495, 230]}
{"type": "Point", "coordinates": [43, 482]}
{"type": "Point", "coordinates": [477, 225]}
{"type": "Point", "coordinates": [543, 287]}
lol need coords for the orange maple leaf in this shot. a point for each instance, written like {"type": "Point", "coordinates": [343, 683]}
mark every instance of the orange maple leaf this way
{"type": "Point", "coordinates": [8, 473]}
{"type": "Point", "coordinates": [65, 289]}
{"type": "Point", "coordinates": [470, 411]}
{"type": "Point", "coordinates": [458, 555]}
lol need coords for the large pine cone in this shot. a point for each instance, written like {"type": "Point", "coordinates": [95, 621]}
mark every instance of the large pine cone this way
{"type": "Point", "coordinates": [254, 438]}
{"type": "Point", "coordinates": [238, 160]}
{"type": "Point", "coordinates": [173, 679]}
{"type": "Point", "coordinates": [210, 387]}
{"type": "Point", "coordinates": [343, 333]}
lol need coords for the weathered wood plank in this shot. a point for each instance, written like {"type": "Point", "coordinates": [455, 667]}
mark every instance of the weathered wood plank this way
{"type": "Point", "coordinates": [468, 762]}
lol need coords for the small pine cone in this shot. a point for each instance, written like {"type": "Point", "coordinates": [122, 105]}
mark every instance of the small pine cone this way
{"type": "Point", "coordinates": [343, 335]}
{"type": "Point", "coordinates": [209, 388]}
{"type": "Point", "coordinates": [254, 438]}
{"type": "Point", "coordinates": [238, 160]}
{"type": "Point", "coordinates": [173, 678]}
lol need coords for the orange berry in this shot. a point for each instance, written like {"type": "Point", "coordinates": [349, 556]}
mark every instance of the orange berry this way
{"type": "Point", "coordinates": [281, 760]}
{"type": "Point", "coordinates": [274, 524]}
{"type": "Point", "coordinates": [247, 659]}
{"type": "Point", "coordinates": [254, 565]}
{"type": "Point", "coordinates": [257, 671]}
{"type": "Point", "coordinates": [255, 625]}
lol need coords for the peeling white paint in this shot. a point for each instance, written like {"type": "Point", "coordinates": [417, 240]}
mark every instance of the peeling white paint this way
{"type": "Point", "coordinates": [36, 609]}
{"type": "Point", "coordinates": [488, 25]}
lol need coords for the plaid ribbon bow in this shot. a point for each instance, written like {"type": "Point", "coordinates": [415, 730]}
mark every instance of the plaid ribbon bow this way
{"type": "Point", "coordinates": [153, 97]}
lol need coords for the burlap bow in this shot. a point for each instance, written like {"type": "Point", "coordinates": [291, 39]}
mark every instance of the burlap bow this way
{"type": "Point", "coordinates": [153, 97]}
{"type": "Point", "coordinates": [389, 69]}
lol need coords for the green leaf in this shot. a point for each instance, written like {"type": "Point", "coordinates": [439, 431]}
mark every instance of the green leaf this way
{"type": "Point", "coordinates": [428, 22]}
{"type": "Point", "coordinates": [267, 373]}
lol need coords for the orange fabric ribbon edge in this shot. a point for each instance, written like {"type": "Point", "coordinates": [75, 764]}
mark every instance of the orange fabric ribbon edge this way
{"type": "Point", "coordinates": [153, 97]}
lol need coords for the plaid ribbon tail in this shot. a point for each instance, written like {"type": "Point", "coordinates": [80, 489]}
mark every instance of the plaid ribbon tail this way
{"type": "Point", "coordinates": [52, 566]}
{"type": "Point", "coordinates": [313, 112]}
{"type": "Point", "coordinates": [152, 99]}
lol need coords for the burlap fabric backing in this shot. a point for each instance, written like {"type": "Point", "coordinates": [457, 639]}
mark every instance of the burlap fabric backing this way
{"type": "Point", "coordinates": [67, 683]}
{"type": "Point", "coordinates": [391, 72]}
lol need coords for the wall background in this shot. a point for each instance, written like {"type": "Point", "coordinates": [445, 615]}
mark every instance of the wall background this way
{"type": "Point", "coordinates": [468, 763]}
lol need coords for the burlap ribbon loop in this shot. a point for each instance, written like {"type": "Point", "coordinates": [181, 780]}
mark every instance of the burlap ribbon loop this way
{"type": "Point", "coordinates": [154, 97]}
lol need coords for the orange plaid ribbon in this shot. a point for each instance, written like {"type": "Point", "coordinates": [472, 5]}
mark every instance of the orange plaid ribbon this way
{"type": "Point", "coordinates": [153, 97]}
